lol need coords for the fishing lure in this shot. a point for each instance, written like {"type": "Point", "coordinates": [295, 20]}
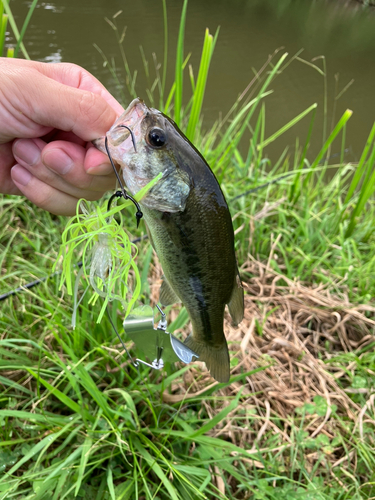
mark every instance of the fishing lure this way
{"type": "Point", "coordinates": [107, 256]}
{"type": "Point", "coordinates": [107, 252]}
{"type": "Point", "coordinates": [157, 344]}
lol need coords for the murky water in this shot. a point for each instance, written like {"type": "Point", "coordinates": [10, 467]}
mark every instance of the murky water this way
{"type": "Point", "coordinates": [249, 32]}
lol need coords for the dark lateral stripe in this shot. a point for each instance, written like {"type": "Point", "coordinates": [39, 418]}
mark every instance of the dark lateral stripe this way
{"type": "Point", "coordinates": [197, 287]}
{"type": "Point", "coordinates": [195, 273]}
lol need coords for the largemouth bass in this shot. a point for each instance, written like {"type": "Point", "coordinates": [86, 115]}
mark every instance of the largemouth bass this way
{"type": "Point", "coordinates": [189, 225]}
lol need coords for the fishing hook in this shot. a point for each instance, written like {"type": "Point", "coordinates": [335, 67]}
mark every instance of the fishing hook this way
{"type": "Point", "coordinates": [132, 136]}
{"type": "Point", "coordinates": [123, 193]}
{"type": "Point", "coordinates": [117, 194]}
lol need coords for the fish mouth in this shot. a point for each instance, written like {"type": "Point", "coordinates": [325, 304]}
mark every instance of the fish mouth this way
{"type": "Point", "coordinates": [133, 113]}
{"type": "Point", "coordinates": [126, 129]}
{"type": "Point", "coordinates": [125, 132]}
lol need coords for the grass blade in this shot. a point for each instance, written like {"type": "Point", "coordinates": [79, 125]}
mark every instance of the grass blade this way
{"type": "Point", "coordinates": [39, 448]}
{"type": "Point", "coordinates": [341, 123]}
{"type": "Point", "coordinates": [65, 463]}
{"type": "Point", "coordinates": [165, 58]}
{"type": "Point", "coordinates": [361, 165]}
{"type": "Point", "coordinates": [24, 26]}
{"type": "Point", "coordinates": [207, 51]}
{"type": "Point", "coordinates": [13, 24]}
{"type": "Point", "coordinates": [3, 28]}
{"type": "Point", "coordinates": [343, 120]}
{"type": "Point", "coordinates": [367, 189]}
{"type": "Point", "coordinates": [287, 126]}
{"type": "Point", "coordinates": [66, 400]}
{"type": "Point", "coordinates": [111, 487]}
{"type": "Point", "coordinates": [155, 467]}
{"type": "Point", "coordinates": [82, 466]}
{"type": "Point", "coordinates": [217, 418]}
{"type": "Point", "coordinates": [34, 450]}
{"type": "Point", "coordinates": [179, 66]}
{"type": "Point", "coordinates": [34, 417]}
{"type": "Point", "coordinates": [238, 126]}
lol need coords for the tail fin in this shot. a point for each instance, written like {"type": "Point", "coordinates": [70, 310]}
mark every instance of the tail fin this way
{"type": "Point", "coordinates": [216, 358]}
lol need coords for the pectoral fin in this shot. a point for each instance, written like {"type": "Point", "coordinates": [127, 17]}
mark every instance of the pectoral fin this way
{"type": "Point", "coordinates": [167, 296]}
{"type": "Point", "coordinates": [170, 193]}
{"type": "Point", "coordinates": [236, 303]}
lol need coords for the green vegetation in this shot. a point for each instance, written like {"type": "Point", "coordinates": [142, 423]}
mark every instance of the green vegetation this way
{"type": "Point", "coordinates": [296, 421]}
{"type": "Point", "coordinates": [107, 254]}
{"type": "Point", "coordinates": [5, 16]}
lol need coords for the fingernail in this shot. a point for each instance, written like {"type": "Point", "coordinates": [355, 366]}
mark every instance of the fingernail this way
{"type": "Point", "coordinates": [21, 175]}
{"type": "Point", "coordinates": [58, 161]}
{"type": "Point", "coordinates": [26, 151]}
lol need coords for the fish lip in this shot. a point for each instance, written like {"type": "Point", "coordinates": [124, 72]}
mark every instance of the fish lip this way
{"type": "Point", "coordinates": [130, 118]}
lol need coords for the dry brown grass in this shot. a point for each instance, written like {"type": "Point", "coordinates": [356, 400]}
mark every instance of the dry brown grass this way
{"type": "Point", "coordinates": [302, 329]}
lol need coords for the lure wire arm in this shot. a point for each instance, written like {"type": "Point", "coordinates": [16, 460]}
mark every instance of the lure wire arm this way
{"type": "Point", "coordinates": [137, 362]}
{"type": "Point", "coordinates": [163, 321]}
{"type": "Point", "coordinates": [157, 364]}
{"type": "Point", "coordinates": [145, 363]}
{"type": "Point", "coordinates": [126, 196]}
{"type": "Point", "coordinates": [134, 363]}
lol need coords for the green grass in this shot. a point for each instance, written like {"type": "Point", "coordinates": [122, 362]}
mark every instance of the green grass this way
{"type": "Point", "coordinates": [7, 16]}
{"type": "Point", "coordinates": [77, 420]}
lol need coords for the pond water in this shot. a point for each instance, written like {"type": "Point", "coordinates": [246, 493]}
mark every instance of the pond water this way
{"type": "Point", "coordinates": [249, 32]}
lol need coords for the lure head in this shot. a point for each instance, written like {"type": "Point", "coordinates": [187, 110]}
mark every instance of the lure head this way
{"type": "Point", "coordinates": [158, 345]}
{"type": "Point", "coordinates": [145, 142]}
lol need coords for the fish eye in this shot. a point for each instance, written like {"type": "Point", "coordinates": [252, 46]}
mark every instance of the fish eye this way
{"type": "Point", "coordinates": [156, 138]}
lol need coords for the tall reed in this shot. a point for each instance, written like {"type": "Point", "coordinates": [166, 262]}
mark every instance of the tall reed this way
{"type": "Point", "coordinates": [18, 35]}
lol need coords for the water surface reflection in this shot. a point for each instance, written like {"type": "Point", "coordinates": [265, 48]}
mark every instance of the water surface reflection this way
{"type": "Point", "coordinates": [249, 32]}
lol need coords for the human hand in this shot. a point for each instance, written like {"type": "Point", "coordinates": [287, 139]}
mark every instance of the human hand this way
{"type": "Point", "coordinates": [49, 113]}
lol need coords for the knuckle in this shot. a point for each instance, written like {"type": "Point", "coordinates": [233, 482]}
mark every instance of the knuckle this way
{"type": "Point", "coordinates": [87, 103]}
{"type": "Point", "coordinates": [93, 108]}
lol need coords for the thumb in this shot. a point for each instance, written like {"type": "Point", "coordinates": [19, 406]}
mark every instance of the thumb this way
{"type": "Point", "coordinates": [53, 104]}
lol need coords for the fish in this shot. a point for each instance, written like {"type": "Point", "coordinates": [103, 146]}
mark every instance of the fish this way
{"type": "Point", "coordinates": [189, 225]}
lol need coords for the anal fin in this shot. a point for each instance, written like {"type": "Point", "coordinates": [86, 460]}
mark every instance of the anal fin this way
{"type": "Point", "coordinates": [236, 302]}
{"type": "Point", "coordinates": [167, 296]}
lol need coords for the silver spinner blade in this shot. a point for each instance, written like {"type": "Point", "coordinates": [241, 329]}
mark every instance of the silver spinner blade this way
{"type": "Point", "coordinates": [157, 345]}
